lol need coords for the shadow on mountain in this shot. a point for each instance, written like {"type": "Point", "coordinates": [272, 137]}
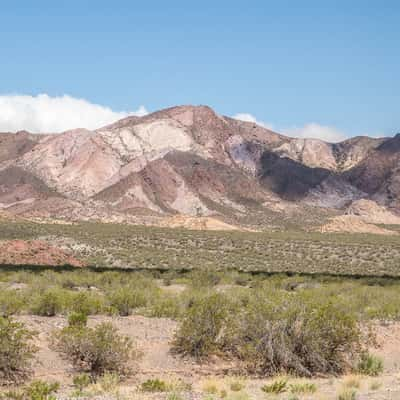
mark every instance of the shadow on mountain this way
{"type": "Point", "coordinates": [289, 179]}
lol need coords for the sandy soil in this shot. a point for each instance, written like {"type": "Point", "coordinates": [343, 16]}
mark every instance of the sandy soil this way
{"type": "Point", "coordinates": [353, 224]}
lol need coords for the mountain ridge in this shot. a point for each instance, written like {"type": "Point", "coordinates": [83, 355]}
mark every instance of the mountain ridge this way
{"type": "Point", "coordinates": [189, 160]}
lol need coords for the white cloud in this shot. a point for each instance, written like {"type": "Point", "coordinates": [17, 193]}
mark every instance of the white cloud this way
{"type": "Point", "coordinates": [308, 131]}
{"type": "Point", "coordinates": [251, 118]}
{"type": "Point", "coordinates": [316, 131]}
{"type": "Point", "coordinates": [47, 114]}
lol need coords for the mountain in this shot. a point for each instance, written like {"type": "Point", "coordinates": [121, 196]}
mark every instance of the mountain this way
{"type": "Point", "coordinates": [188, 160]}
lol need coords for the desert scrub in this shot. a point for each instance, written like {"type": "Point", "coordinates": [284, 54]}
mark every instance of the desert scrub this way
{"type": "Point", "coordinates": [125, 299]}
{"type": "Point", "coordinates": [298, 336]}
{"type": "Point", "coordinates": [77, 319]}
{"type": "Point", "coordinates": [201, 331]}
{"type": "Point", "coordinates": [277, 387]}
{"type": "Point", "coordinates": [36, 390]}
{"type": "Point", "coordinates": [154, 385]}
{"type": "Point", "coordinates": [370, 365]}
{"type": "Point", "coordinates": [347, 394]}
{"type": "Point", "coordinates": [16, 350]}
{"type": "Point", "coordinates": [49, 303]}
{"type": "Point", "coordinates": [96, 350]}
{"type": "Point", "coordinates": [40, 390]}
{"type": "Point", "coordinates": [81, 382]}
{"type": "Point", "coordinates": [302, 388]}
{"type": "Point", "coordinates": [11, 302]}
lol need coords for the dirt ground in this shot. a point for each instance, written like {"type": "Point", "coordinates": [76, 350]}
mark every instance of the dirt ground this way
{"type": "Point", "coordinates": [153, 336]}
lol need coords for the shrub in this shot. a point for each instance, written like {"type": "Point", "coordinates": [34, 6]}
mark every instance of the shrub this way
{"type": "Point", "coordinates": [200, 332]}
{"type": "Point", "coordinates": [95, 350]}
{"type": "Point", "coordinates": [11, 303]}
{"type": "Point", "coordinates": [126, 299]}
{"type": "Point", "coordinates": [296, 337]}
{"type": "Point", "coordinates": [154, 385]}
{"type": "Point", "coordinates": [16, 350]}
{"type": "Point", "coordinates": [77, 319]}
{"type": "Point", "coordinates": [40, 390]}
{"type": "Point", "coordinates": [205, 278]}
{"type": "Point", "coordinates": [48, 303]}
{"type": "Point", "coordinates": [165, 306]}
{"type": "Point", "coordinates": [347, 394]}
{"type": "Point", "coordinates": [37, 390]}
{"type": "Point", "coordinates": [236, 386]}
{"type": "Point", "coordinates": [370, 365]}
{"type": "Point", "coordinates": [81, 382]}
{"type": "Point", "coordinates": [276, 387]}
{"type": "Point", "coordinates": [107, 383]}
{"type": "Point", "coordinates": [85, 303]}
{"type": "Point", "coordinates": [303, 388]}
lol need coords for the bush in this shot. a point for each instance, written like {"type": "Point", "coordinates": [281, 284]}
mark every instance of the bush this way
{"type": "Point", "coordinates": [126, 299]}
{"type": "Point", "coordinates": [48, 303]}
{"type": "Point", "coordinates": [40, 390]}
{"type": "Point", "coordinates": [77, 319]}
{"type": "Point", "coordinates": [370, 365]}
{"type": "Point", "coordinates": [276, 387]}
{"type": "Point", "coordinates": [81, 382]}
{"type": "Point", "coordinates": [236, 386]}
{"type": "Point", "coordinates": [95, 350]}
{"type": "Point", "coordinates": [205, 278]}
{"type": "Point", "coordinates": [16, 350]}
{"type": "Point", "coordinates": [11, 303]}
{"type": "Point", "coordinates": [37, 390]}
{"type": "Point", "coordinates": [154, 385]}
{"type": "Point", "coordinates": [296, 337]}
{"type": "Point", "coordinates": [200, 332]}
{"type": "Point", "coordinates": [85, 303]}
{"type": "Point", "coordinates": [347, 394]}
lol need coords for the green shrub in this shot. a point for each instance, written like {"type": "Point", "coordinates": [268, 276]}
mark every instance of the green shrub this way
{"type": "Point", "coordinates": [77, 319]}
{"type": "Point", "coordinates": [48, 303]}
{"type": "Point", "coordinates": [40, 390]}
{"type": "Point", "coordinates": [370, 365]}
{"type": "Point", "coordinates": [200, 332]}
{"type": "Point", "coordinates": [276, 387]}
{"type": "Point", "coordinates": [299, 337]}
{"type": "Point", "coordinates": [16, 350]}
{"type": "Point", "coordinates": [36, 390]}
{"type": "Point", "coordinates": [95, 350]}
{"type": "Point", "coordinates": [85, 303]}
{"type": "Point", "coordinates": [81, 382]}
{"type": "Point", "coordinates": [165, 306]}
{"type": "Point", "coordinates": [126, 299]}
{"type": "Point", "coordinates": [11, 302]}
{"type": "Point", "coordinates": [154, 385]}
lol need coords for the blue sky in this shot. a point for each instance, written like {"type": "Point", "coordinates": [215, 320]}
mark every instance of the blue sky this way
{"type": "Point", "coordinates": [290, 64]}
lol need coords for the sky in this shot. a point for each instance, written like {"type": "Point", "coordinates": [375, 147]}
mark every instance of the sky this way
{"type": "Point", "coordinates": [327, 69]}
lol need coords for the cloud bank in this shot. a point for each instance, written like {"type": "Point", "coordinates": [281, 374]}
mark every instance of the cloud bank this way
{"type": "Point", "coordinates": [45, 114]}
{"type": "Point", "coordinates": [308, 131]}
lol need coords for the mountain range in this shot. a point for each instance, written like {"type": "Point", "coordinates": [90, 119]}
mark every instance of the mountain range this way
{"type": "Point", "coordinates": [190, 161]}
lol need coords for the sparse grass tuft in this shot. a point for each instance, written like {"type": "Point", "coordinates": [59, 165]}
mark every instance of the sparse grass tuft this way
{"type": "Point", "coordinates": [370, 365]}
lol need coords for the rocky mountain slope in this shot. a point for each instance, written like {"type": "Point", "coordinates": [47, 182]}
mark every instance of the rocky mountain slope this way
{"type": "Point", "coordinates": [189, 160]}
